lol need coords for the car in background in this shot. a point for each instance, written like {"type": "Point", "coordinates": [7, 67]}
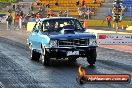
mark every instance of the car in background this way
{"type": "Point", "coordinates": [61, 38]}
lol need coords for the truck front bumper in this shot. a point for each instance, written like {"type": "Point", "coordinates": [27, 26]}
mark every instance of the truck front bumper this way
{"type": "Point", "coordinates": [65, 52]}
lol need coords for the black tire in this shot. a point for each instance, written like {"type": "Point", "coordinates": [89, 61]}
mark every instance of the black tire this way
{"type": "Point", "coordinates": [35, 55]}
{"type": "Point", "coordinates": [45, 58]}
{"type": "Point", "coordinates": [91, 58]}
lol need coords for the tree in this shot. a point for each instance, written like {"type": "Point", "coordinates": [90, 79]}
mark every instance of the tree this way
{"type": "Point", "coordinates": [7, 1]}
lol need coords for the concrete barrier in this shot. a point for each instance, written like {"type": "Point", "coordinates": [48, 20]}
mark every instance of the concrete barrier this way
{"type": "Point", "coordinates": [129, 28]}
{"type": "Point", "coordinates": [103, 23]}
{"type": "Point", "coordinates": [30, 26]}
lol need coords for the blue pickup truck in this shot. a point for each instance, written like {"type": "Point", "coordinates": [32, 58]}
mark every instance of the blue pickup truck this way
{"type": "Point", "coordinates": [61, 38]}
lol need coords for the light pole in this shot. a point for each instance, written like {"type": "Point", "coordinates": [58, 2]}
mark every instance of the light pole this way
{"type": "Point", "coordinates": [130, 12]}
{"type": "Point", "coordinates": [88, 12]}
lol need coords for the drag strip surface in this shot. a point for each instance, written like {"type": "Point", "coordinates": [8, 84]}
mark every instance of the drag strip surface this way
{"type": "Point", "coordinates": [18, 71]}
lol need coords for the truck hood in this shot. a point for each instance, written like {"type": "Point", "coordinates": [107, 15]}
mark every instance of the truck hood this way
{"type": "Point", "coordinates": [71, 36]}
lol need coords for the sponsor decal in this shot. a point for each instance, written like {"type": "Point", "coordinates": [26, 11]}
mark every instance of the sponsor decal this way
{"type": "Point", "coordinates": [102, 36]}
{"type": "Point", "coordinates": [82, 77]}
{"type": "Point", "coordinates": [114, 38]}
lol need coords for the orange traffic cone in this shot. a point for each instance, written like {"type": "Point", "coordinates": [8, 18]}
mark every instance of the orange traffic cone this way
{"type": "Point", "coordinates": [85, 24]}
{"type": "Point", "coordinates": [122, 27]}
{"type": "Point", "coordinates": [113, 26]}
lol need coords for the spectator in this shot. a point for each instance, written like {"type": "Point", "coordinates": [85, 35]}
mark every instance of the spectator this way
{"type": "Point", "coordinates": [94, 1]}
{"type": "Point", "coordinates": [83, 2]}
{"type": "Point", "coordinates": [28, 16]}
{"type": "Point", "coordinates": [87, 14]}
{"type": "Point", "coordinates": [9, 20]}
{"type": "Point", "coordinates": [24, 21]}
{"type": "Point", "coordinates": [125, 9]}
{"type": "Point", "coordinates": [50, 13]}
{"type": "Point", "coordinates": [93, 9]}
{"type": "Point", "coordinates": [14, 7]}
{"type": "Point", "coordinates": [38, 2]}
{"type": "Point", "coordinates": [10, 11]}
{"type": "Point", "coordinates": [108, 19]}
{"type": "Point", "coordinates": [21, 13]}
{"type": "Point", "coordinates": [56, 3]}
{"type": "Point", "coordinates": [33, 15]}
{"type": "Point", "coordinates": [38, 15]}
{"type": "Point", "coordinates": [77, 2]}
{"type": "Point", "coordinates": [60, 13]}
{"type": "Point", "coordinates": [16, 22]}
{"type": "Point", "coordinates": [80, 13]}
{"type": "Point", "coordinates": [47, 5]}
{"type": "Point", "coordinates": [22, 5]}
{"type": "Point", "coordinates": [84, 8]}
{"type": "Point", "coordinates": [65, 14]}
{"type": "Point", "coordinates": [42, 8]}
{"type": "Point", "coordinates": [18, 9]}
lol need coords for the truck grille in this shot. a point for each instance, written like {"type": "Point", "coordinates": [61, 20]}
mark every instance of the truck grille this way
{"type": "Point", "coordinates": [73, 42]}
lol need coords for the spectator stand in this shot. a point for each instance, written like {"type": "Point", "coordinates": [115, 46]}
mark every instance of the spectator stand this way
{"type": "Point", "coordinates": [69, 6]}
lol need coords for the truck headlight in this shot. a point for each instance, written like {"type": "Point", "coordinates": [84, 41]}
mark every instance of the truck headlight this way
{"type": "Point", "coordinates": [53, 43]}
{"type": "Point", "coordinates": [92, 42]}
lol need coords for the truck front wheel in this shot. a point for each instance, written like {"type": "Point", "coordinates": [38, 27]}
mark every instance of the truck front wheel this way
{"type": "Point", "coordinates": [45, 57]}
{"type": "Point", "coordinates": [91, 57]}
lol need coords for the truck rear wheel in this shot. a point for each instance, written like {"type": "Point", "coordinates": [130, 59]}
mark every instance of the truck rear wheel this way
{"type": "Point", "coordinates": [91, 58]}
{"type": "Point", "coordinates": [35, 55]}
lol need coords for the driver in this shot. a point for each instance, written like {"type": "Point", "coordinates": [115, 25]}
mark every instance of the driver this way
{"type": "Point", "coordinates": [51, 25]}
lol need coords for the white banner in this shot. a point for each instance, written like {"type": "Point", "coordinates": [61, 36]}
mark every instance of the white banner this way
{"type": "Point", "coordinates": [103, 38]}
{"type": "Point", "coordinates": [3, 19]}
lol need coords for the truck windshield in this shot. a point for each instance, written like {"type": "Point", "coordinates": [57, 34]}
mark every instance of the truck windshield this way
{"type": "Point", "coordinates": [59, 24]}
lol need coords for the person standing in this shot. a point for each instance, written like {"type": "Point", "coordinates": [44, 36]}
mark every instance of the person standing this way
{"type": "Point", "coordinates": [38, 15]}
{"type": "Point", "coordinates": [80, 13]}
{"type": "Point", "coordinates": [59, 14]}
{"type": "Point", "coordinates": [50, 13]}
{"type": "Point", "coordinates": [9, 22]}
{"type": "Point", "coordinates": [14, 7]}
{"type": "Point", "coordinates": [24, 21]}
{"type": "Point", "coordinates": [65, 14]}
{"type": "Point", "coordinates": [33, 15]}
{"type": "Point", "coordinates": [94, 1]}
{"type": "Point", "coordinates": [56, 3]}
{"type": "Point", "coordinates": [16, 22]}
{"type": "Point", "coordinates": [77, 2]}
{"type": "Point", "coordinates": [108, 19]}
{"type": "Point", "coordinates": [83, 2]}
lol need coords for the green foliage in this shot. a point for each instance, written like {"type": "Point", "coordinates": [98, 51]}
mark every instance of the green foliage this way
{"type": "Point", "coordinates": [7, 1]}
